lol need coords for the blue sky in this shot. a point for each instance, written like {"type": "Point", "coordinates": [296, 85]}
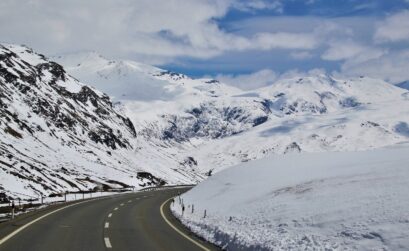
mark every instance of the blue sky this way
{"type": "Point", "coordinates": [248, 43]}
{"type": "Point", "coordinates": [361, 17]}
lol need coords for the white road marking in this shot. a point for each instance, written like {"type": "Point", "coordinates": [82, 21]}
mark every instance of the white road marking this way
{"type": "Point", "coordinates": [106, 224]}
{"type": "Point", "coordinates": [179, 231]}
{"type": "Point", "coordinates": [110, 215]}
{"type": "Point", "coordinates": [129, 201]}
{"type": "Point", "coordinates": [122, 204]}
{"type": "Point", "coordinates": [107, 242]}
{"type": "Point", "coordinates": [39, 218]}
{"type": "Point", "coordinates": [115, 209]}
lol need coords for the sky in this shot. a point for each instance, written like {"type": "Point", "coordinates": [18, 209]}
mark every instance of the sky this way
{"type": "Point", "coordinates": [247, 43]}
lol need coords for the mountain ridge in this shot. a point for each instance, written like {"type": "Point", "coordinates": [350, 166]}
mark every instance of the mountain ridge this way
{"type": "Point", "coordinates": [58, 134]}
{"type": "Point", "coordinates": [213, 120]}
{"type": "Point", "coordinates": [168, 127]}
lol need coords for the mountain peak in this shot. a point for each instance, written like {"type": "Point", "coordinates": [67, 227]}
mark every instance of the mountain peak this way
{"type": "Point", "coordinates": [58, 134]}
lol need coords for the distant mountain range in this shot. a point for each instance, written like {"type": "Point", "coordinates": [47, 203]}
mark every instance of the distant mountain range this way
{"type": "Point", "coordinates": [58, 133]}
{"type": "Point", "coordinates": [218, 125]}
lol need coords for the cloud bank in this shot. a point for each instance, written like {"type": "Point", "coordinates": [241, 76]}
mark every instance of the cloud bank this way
{"type": "Point", "coordinates": [222, 37]}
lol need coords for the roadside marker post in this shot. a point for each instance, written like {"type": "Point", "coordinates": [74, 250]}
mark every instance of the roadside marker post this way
{"type": "Point", "coordinates": [12, 210]}
{"type": "Point", "coordinates": [177, 230]}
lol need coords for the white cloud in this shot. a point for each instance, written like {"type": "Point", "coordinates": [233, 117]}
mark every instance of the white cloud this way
{"type": "Point", "coordinates": [301, 55]}
{"type": "Point", "coordinates": [250, 81]}
{"type": "Point", "coordinates": [144, 28]}
{"type": "Point", "coordinates": [285, 40]}
{"type": "Point", "coordinates": [163, 31]}
{"type": "Point", "coordinates": [394, 28]}
{"type": "Point", "coordinates": [294, 73]}
{"type": "Point", "coordinates": [252, 5]}
{"type": "Point", "coordinates": [391, 67]}
{"type": "Point", "coordinates": [342, 50]}
{"type": "Point", "coordinates": [351, 52]}
{"type": "Point", "coordinates": [264, 78]}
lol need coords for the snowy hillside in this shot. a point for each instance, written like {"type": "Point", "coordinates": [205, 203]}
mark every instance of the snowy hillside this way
{"type": "Point", "coordinates": [207, 125]}
{"type": "Point", "coordinates": [71, 137]}
{"type": "Point", "coordinates": [57, 134]}
{"type": "Point", "coordinates": [308, 201]}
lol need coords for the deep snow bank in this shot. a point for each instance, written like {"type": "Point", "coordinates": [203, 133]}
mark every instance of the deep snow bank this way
{"type": "Point", "coordinates": [344, 200]}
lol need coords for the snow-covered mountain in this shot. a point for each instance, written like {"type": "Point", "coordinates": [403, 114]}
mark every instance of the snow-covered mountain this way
{"type": "Point", "coordinates": [210, 125]}
{"type": "Point", "coordinates": [57, 134]}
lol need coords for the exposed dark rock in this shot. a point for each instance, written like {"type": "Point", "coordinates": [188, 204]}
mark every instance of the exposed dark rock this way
{"type": "Point", "coordinates": [151, 180]}
{"type": "Point", "coordinates": [293, 147]}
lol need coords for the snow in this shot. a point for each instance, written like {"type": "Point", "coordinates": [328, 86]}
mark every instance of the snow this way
{"type": "Point", "coordinates": [304, 177]}
{"type": "Point", "coordinates": [308, 201]}
{"type": "Point", "coordinates": [187, 127]}
{"type": "Point", "coordinates": [50, 154]}
{"type": "Point", "coordinates": [122, 79]}
{"type": "Point", "coordinates": [25, 53]}
{"type": "Point", "coordinates": [316, 113]}
{"type": "Point", "coordinates": [68, 197]}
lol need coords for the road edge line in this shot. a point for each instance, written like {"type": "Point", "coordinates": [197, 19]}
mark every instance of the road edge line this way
{"type": "Point", "coordinates": [18, 230]}
{"type": "Point", "coordinates": [177, 230]}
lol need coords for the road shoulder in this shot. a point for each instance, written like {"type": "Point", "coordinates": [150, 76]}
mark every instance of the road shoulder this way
{"type": "Point", "coordinates": [175, 222]}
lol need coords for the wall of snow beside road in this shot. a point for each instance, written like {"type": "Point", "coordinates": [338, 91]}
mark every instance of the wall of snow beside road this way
{"type": "Point", "coordinates": [333, 200]}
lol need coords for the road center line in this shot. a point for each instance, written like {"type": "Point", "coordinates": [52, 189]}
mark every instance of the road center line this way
{"type": "Point", "coordinates": [129, 201]}
{"type": "Point", "coordinates": [122, 204]}
{"type": "Point", "coordinates": [106, 224]}
{"type": "Point", "coordinates": [115, 209]}
{"type": "Point", "coordinates": [110, 215]}
{"type": "Point", "coordinates": [177, 230]}
{"type": "Point", "coordinates": [107, 242]}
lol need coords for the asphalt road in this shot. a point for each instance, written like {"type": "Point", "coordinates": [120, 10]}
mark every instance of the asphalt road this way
{"type": "Point", "coordinates": [125, 222]}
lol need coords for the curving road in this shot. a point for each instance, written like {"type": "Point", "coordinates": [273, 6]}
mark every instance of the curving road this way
{"type": "Point", "coordinates": [132, 221]}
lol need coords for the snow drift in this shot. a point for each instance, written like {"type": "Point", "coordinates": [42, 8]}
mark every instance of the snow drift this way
{"type": "Point", "coordinates": [307, 201]}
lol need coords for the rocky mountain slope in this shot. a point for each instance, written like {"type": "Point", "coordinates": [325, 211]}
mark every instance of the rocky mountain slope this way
{"type": "Point", "coordinates": [157, 126]}
{"type": "Point", "coordinates": [208, 125]}
{"type": "Point", "coordinates": [57, 134]}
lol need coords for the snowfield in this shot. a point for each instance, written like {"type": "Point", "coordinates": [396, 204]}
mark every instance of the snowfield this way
{"type": "Point", "coordinates": [153, 126]}
{"type": "Point", "coordinates": [201, 124]}
{"type": "Point", "coordinates": [59, 135]}
{"type": "Point", "coordinates": [306, 201]}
